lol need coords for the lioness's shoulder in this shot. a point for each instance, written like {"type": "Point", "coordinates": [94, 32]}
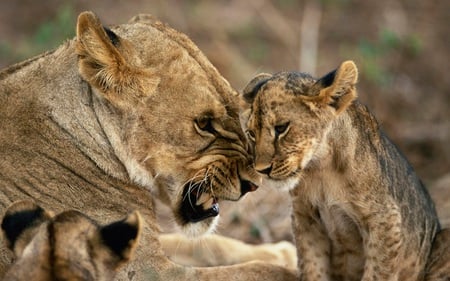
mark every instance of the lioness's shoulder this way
{"type": "Point", "coordinates": [68, 246]}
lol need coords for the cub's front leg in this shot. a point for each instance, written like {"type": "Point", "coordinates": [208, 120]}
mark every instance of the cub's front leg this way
{"type": "Point", "coordinates": [313, 245]}
{"type": "Point", "coordinates": [380, 226]}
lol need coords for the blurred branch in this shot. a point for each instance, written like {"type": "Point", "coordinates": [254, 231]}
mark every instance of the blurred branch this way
{"type": "Point", "coordinates": [276, 22]}
{"type": "Point", "coordinates": [309, 37]}
{"type": "Point", "coordinates": [229, 56]}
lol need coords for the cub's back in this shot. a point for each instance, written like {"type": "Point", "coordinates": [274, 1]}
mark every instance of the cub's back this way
{"type": "Point", "coordinates": [69, 246]}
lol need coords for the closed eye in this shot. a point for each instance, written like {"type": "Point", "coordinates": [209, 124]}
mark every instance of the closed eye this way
{"type": "Point", "coordinates": [281, 129]}
{"type": "Point", "coordinates": [205, 124]}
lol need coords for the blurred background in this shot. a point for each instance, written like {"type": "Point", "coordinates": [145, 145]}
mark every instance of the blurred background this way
{"type": "Point", "coordinates": [401, 47]}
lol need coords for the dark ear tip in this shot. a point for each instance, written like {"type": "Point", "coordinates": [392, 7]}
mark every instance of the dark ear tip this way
{"type": "Point", "coordinates": [112, 36]}
{"type": "Point", "coordinates": [346, 66]}
{"type": "Point", "coordinates": [121, 236]}
{"type": "Point", "coordinates": [328, 79]}
{"type": "Point", "coordinates": [20, 216]}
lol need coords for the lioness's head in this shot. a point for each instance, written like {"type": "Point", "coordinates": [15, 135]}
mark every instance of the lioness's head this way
{"type": "Point", "coordinates": [170, 116]}
{"type": "Point", "coordinates": [288, 116]}
{"type": "Point", "coordinates": [68, 246]}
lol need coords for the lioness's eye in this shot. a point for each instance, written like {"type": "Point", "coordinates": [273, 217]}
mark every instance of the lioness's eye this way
{"type": "Point", "coordinates": [280, 129]}
{"type": "Point", "coordinates": [205, 124]}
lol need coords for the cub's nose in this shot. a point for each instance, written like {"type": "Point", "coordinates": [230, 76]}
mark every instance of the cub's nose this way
{"type": "Point", "coordinates": [264, 170]}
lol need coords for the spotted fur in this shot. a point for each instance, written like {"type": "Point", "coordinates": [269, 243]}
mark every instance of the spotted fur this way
{"type": "Point", "coordinates": [359, 210]}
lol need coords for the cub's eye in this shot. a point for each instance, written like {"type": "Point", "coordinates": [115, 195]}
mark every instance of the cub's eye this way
{"type": "Point", "coordinates": [205, 124]}
{"type": "Point", "coordinates": [281, 129]}
{"type": "Point", "coordinates": [251, 135]}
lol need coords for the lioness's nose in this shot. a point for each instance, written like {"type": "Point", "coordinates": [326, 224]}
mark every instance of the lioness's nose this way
{"type": "Point", "coordinates": [247, 186]}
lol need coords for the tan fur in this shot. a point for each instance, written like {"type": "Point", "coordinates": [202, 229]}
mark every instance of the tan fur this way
{"type": "Point", "coordinates": [359, 210]}
{"type": "Point", "coordinates": [68, 246]}
{"type": "Point", "coordinates": [110, 117]}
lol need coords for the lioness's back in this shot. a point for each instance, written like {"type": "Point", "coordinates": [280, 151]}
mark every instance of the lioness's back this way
{"type": "Point", "coordinates": [108, 117]}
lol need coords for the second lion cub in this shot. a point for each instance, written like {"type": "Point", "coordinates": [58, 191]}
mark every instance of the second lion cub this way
{"type": "Point", "coordinates": [359, 210]}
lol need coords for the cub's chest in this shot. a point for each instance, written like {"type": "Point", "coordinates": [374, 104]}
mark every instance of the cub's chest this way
{"type": "Point", "coordinates": [330, 195]}
{"type": "Point", "coordinates": [341, 228]}
{"type": "Point", "coordinates": [345, 243]}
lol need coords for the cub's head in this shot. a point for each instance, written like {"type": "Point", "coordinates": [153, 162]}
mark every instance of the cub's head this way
{"type": "Point", "coordinates": [171, 118]}
{"type": "Point", "coordinates": [288, 115]}
{"type": "Point", "coordinates": [68, 246]}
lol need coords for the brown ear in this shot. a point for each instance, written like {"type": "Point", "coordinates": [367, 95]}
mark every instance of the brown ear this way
{"type": "Point", "coordinates": [103, 63]}
{"type": "Point", "coordinates": [337, 88]}
{"type": "Point", "coordinates": [20, 223]}
{"type": "Point", "coordinates": [252, 88]}
{"type": "Point", "coordinates": [122, 237]}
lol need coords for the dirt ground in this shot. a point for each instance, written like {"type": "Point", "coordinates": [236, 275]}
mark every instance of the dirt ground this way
{"type": "Point", "coordinates": [401, 48]}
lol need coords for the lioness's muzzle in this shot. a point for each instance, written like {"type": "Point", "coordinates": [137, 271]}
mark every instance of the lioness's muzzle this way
{"type": "Point", "coordinates": [197, 204]}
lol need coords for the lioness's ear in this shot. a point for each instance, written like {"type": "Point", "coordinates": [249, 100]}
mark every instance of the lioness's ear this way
{"type": "Point", "coordinates": [20, 223]}
{"type": "Point", "coordinates": [105, 62]}
{"type": "Point", "coordinates": [337, 88]}
{"type": "Point", "coordinates": [252, 88]}
{"type": "Point", "coordinates": [122, 237]}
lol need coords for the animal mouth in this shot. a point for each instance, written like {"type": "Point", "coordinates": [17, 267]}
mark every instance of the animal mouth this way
{"type": "Point", "coordinates": [197, 204]}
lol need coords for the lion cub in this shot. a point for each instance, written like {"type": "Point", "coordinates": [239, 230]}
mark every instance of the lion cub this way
{"type": "Point", "coordinates": [69, 246]}
{"type": "Point", "coordinates": [359, 210]}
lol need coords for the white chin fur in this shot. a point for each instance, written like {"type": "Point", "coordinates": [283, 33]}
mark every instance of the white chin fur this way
{"type": "Point", "coordinates": [284, 185]}
{"type": "Point", "coordinates": [138, 174]}
{"type": "Point", "coordinates": [195, 230]}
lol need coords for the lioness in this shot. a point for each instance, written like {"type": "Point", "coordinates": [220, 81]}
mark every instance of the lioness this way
{"type": "Point", "coordinates": [68, 246]}
{"type": "Point", "coordinates": [359, 210]}
{"type": "Point", "coordinates": [108, 117]}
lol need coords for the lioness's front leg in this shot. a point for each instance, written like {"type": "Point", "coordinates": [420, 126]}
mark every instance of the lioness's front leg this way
{"type": "Point", "coordinates": [216, 250]}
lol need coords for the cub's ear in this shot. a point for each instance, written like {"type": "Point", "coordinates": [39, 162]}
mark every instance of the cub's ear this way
{"type": "Point", "coordinates": [337, 88]}
{"type": "Point", "coordinates": [252, 88]}
{"type": "Point", "coordinates": [105, 62]}
{"type": "Point", "coordinates": [122, 237]}
{"type": "Point", "coordinates": [20, 223]}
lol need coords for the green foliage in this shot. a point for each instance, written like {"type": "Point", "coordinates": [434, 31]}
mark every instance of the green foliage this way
{"type": "Point", "coordinates": [388, 40]}
{"type": "Point", "coordinates": [50, 34]}
{"type": "Point", "coordinates": [414, 44]}
{"type": "Point", "coordinates": [387, 45]}
{"type": "Point", "coordinates": [47, 35]}
{"type": "Point", "coordinates": [253, 46]}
